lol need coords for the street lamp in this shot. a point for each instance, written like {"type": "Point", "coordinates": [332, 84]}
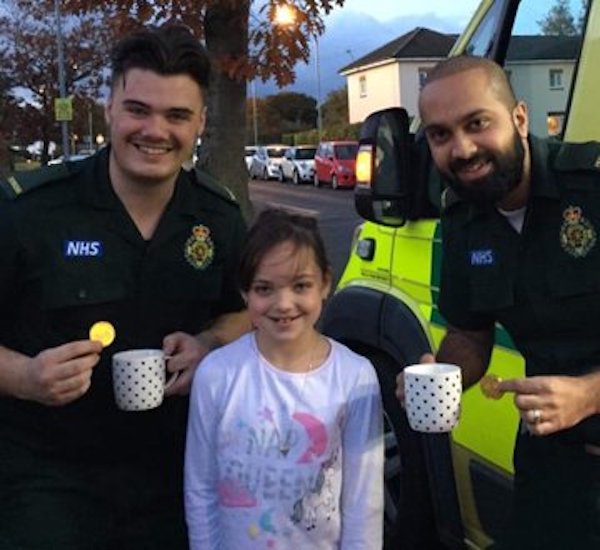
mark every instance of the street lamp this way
{"type": "Point", "coordinates": [254, 117]}
{"type": "Point", "coordinates": [90, 128]}
{"type": "Point", "coordinates": [285, 16]}
{"type": "Point", "coordinates": [318, 70]}
{"type": "Point", "coordinates": [61, 77]}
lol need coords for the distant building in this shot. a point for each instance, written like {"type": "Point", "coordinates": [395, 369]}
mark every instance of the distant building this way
{"type": "Point", "coordinates": [391, 76]}
{"type": "Point", "coordinates": [540, 69]}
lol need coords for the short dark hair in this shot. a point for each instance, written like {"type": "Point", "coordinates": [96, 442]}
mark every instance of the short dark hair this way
{"type": "Point", "coordinates": [497, 76]}
{"type": "Point", "coordinates": [273, 227]}
{"type": "Point", "coordinates": [168, 50]}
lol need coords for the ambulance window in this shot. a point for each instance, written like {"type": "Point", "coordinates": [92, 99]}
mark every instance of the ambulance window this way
{"type": "Point", "coordinates": [541, 57]}
{"type": "Point", "coordinates": [482, 41]}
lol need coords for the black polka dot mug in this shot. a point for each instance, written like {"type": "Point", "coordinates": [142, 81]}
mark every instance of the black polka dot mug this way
{"type": "Point", "coordinates": [432, 393]}
{"type": "Point", "coordinates": [139, 379]}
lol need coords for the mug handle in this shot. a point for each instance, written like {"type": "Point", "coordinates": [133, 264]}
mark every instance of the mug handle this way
{"type": "Point", "coordinates": [173, 376]}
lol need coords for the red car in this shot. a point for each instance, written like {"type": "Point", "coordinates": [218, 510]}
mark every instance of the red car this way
{"type": "Point", "coordinates": [335, 162]}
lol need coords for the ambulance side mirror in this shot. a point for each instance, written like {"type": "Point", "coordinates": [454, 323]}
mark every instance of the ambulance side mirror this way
{"type": "Point", "coordinates": [383, 167]}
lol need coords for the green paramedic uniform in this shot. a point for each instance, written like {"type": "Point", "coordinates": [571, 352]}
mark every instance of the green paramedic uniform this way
{"type": "Point", "coordinates": [543, 287]}
{"type": "Point", "coordinates": [87, 475]}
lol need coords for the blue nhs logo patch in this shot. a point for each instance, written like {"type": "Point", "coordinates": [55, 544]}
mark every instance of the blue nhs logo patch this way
{"type": "Point", "coordinates": [82, 249]}
{"type": "Point", "coordinates": [482, 257]}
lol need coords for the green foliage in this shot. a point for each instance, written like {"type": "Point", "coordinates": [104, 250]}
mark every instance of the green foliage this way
{"type": "Point", "coordinates": [342, 131]}
{"type": "Point", "coordinates": [559, 21]}
{"type": "Point", "coordinates": [335, 108]}
{"type": "Point", "coordinates": [276, 122]}
{"type": "Point", "coordinates": [279, 115]}
{"type": "Point", "coordinates": [336, 132]}
{"type": "Point", "coordinates": [296, 111]}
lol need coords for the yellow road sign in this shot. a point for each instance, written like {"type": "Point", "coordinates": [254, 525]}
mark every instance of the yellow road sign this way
{"type": "Point", "coordinates": [63, 109]}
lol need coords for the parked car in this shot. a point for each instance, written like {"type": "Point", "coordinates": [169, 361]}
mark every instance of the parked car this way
{"type": "Point", "coordinates": [298, 164]}
{"type": "Point", "coordinates": [249, 151]}
{"type": "Point", "coordinates": [335, 162]}
{"type": "Point", "coordinates": [266, 161]}
{"type": "Point", "coordinates": [72, 158]}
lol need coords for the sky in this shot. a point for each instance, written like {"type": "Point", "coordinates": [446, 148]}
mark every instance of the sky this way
{"type": "Point", "coordinates": [384, 20]}
{"type": "Point", "coordinates": [455, 12]}
{"type": "Point", "coordinates": [392, 18]}
{"type": "Point", "coordinates": [386, 10]}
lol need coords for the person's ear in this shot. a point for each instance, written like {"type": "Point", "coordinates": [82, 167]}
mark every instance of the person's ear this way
{"type": "Point", "coordinates": [107, 109]}
{"type": "Point", "coordinates": [327, 283]}
{"type": "Point", "coordinates": [202, 122]}
{"type": "Point", "coordinates": [520, 117]}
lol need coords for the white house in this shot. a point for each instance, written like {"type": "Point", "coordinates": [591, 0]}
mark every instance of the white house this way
{"type": "Point", "coordinates": [540, 69]}
{"type": "Point", "coordinates": [391, 76]}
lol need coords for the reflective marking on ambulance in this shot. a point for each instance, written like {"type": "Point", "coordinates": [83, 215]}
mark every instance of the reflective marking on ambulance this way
{"type": "Point", "coordinates": [82, 249]}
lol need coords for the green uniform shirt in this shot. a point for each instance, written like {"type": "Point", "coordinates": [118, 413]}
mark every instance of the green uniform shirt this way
{"type": "Point", "coordinates": [542, 285]}
{"type": "Point", "coordinates": [70, 255]}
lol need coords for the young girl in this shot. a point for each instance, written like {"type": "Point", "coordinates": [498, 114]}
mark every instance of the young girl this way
{"type": "Point", "coordinates": [285, 444]}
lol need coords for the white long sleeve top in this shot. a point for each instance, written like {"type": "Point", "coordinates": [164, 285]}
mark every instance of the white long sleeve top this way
{"type": "Point", "coordinates": [280, 460]}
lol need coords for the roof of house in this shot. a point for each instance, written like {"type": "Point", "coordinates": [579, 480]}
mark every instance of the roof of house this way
{"type": "Point", "coordinates": [426, 43]}
{"type": "Point", "coordinates": [528, 48]}
{"type": "Point", "coordinates": [420, 42]}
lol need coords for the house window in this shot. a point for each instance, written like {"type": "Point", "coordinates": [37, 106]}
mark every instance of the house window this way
{"type": "Point", "coordinates": [423, 74]}
{"type": "Point", "coordinates": [362, 86]}
{"type": "Point", "coordinates": [555, 121]}
{"type": "Point", "coordinates": [556, 79]}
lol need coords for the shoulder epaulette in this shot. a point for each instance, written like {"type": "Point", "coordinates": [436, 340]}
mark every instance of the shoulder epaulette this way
{"type": "Point", "coordinates": [21, 182]}
{"type": "Point", "coordinates": [212, 184]}
{"type": "Point", "coordinates": [578, 156]}
{"type": "Point", "coordinates": [449, 199]}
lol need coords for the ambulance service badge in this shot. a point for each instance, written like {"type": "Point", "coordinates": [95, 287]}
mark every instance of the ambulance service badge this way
{"type": "Point", "coordinates": [199, 248]}
{"type": "Point", "coordinates": [577, 234]}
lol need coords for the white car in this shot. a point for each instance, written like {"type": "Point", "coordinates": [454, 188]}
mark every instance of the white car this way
{"type": "Point", "coordinates": [266, 161]}
{"type": "Point", "coordinates": [249, 151]}
{"type": "Point", "coordinates": [298, 164]}
{"type": "Point", "coordinates": [76, 156]}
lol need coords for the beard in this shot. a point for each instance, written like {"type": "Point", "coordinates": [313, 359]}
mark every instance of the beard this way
{"type": "Point", "coordinates": [505, 176]}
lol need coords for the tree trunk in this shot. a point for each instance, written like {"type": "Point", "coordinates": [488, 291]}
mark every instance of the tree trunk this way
{"type": "Point", "coordinates": [222, 151]}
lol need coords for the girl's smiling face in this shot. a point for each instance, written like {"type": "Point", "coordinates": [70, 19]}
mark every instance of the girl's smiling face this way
{"type": "Point", "coordinates": [286, 295]}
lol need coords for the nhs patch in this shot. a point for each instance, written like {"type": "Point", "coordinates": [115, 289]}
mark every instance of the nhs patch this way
{"type": "Point", "coordinates": [79, 249]}
{"type": "Point", "coordinates": [482, 257]}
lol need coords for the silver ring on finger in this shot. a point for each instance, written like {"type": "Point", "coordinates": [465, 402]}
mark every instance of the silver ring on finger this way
{"type": "Point", "coordinates": [536, 416]}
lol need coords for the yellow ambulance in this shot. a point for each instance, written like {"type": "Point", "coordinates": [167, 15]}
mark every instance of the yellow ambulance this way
{"type": "Point", "coordinates": [450, 491]}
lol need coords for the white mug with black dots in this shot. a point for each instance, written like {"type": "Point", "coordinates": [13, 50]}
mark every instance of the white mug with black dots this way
{"type": "Point", "coordinates": [139, 379]}
{"type": "Point", "coordinates": [432, 393]}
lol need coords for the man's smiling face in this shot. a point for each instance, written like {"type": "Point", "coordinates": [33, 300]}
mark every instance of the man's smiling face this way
{"type": "Point", "coordinates": [154, 122]}
{"type": "Point", "coordinates": [476, 140]}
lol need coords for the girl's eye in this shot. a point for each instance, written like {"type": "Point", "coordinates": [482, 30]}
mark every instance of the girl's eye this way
{"type": "Point", "coordinates": [261, 290]}
{"type": "Point", "coordinates": [303, 285]}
